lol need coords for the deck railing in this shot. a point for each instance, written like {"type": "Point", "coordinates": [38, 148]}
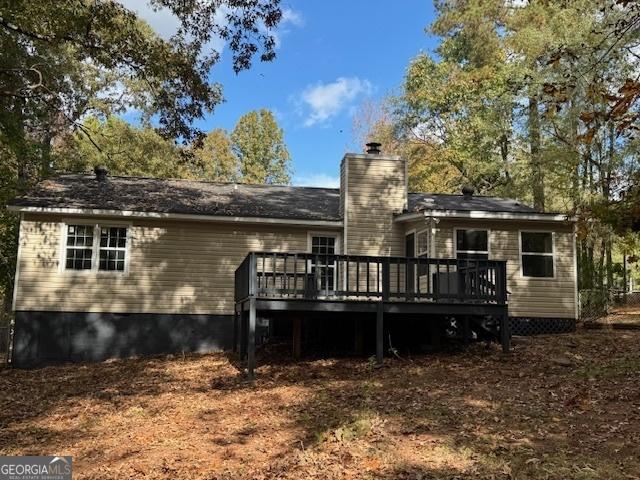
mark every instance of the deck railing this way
{"type": "Point", "coordinates": [356, 277]}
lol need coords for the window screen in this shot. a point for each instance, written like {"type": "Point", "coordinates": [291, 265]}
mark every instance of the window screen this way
{"type": "Point", "coordinates": [113, 248]}
{"type": "Point", "coordinates": [79, 252]}
{"type": "Point", "coordinates": [322, 268]}
{"type": "Point", "coordinates": [423, 243]}
{"type": "Point", "coordinates": [472, 244]}
{"type": "Point", "coordinates": [537, 254]}
{"type": "Point", "coordinates": [82, 241]}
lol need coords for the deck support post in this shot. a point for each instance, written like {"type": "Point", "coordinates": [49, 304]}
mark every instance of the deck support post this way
{"type": "Point", "coordinates": [235, 329]}
{"type": "Point", "coordinates": [466, 332]}
{"type": "Point", "coordinates": [297, 337]}
{"type": "Point", "coordinates": [379, 334]}
{"type": "Point", "coordinates": [435, 332]}
{"type": "Point", "coordinates": [251, 340]}
{"type": "Point", "coordinates": [242, 333]}
{"type": "Point", "coordinates": [359, 336]}
{"type": "Point", "coordinates": [505, 333]}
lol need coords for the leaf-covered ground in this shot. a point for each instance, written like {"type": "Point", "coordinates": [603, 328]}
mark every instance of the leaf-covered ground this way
{"type": "Point", "coordinates": [558, 407]}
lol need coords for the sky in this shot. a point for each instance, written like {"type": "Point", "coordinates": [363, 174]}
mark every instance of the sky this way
{"type": "Point", "coordinates": [332, 55]}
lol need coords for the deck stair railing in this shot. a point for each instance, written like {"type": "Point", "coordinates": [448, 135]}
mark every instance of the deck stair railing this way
{"type": "Point", "coordinates": [355, 277]}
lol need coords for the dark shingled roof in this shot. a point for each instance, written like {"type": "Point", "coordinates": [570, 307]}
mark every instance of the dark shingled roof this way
{"type": "Point", "coordinates": [228, 199]}
{"type": "Point", "coordinates": [439, 201]}
{"type": "Point", "coordinates": [185, 197]}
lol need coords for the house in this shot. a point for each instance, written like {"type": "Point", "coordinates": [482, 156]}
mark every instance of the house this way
{"type": "Point", "coordinates": [114, 266]}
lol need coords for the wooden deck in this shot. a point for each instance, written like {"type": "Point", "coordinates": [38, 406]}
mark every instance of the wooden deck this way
{"type": "Point", "coordinates": [302, 282]}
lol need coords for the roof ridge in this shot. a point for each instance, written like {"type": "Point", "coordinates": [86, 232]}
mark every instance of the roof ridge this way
{"type": "Point", "coordinates": [461, 195]}
{"type": "Point", "coordinates": [174, 179]}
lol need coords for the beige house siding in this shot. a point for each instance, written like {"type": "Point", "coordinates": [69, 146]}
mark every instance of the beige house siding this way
{"type": "Point", "coordinates": [530, 297]}
{"type": "Point", "coordinates": [175, 267]}
{"type": "Point", "coordinates": [375, 189]}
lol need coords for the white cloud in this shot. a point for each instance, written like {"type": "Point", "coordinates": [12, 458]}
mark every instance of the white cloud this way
{"type": "Point", "coordinates": [292, 17]}
{"type": "Point", "coordinates": [326, 100]}
{"type": "Point", "coordinates": [316, 180]}
{"type": "Point", "coordinates": [163, 22]}
{"type": "Point", "coordinates": [166, 24]}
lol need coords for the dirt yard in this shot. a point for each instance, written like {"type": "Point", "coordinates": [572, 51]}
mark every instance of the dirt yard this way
{"type": "Point", "coordinates": [558, 407]}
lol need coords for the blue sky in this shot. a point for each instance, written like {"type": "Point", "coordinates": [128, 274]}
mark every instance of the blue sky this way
{"type": "Point", "coordinates": [332, 56]}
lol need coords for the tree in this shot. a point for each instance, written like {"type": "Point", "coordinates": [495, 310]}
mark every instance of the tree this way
{"type": "Point", "coordinates": [68, 60]}
{"type": "Point", "coordinates": [429, 167]}
{"type": "Point", "coordinates": [123, 148]}
{"type": "Point", "coordinates": [537, 101]}
{"type": "Point", "coordinates": [258, 142]}
{"type": "Point", "coordinates": [214, 158]}
{"type": "Point", "coordinates": [47, 46]}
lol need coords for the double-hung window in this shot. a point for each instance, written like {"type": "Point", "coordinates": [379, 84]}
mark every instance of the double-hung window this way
{"type": "Point", "coordinates": [113, 248]}
{"type": "Point", "coordinates": [472, 244]}
{"type": "Point", "coordinates": [95, 247]}
{"type": "Point", "coordinates": [322, 267]}
{"type": "Point", "coordinates": [422, 243]}
{"type": "Point", "coordinates": [79, 248]}
{"type": "Point", "coordinates": [537, 256]}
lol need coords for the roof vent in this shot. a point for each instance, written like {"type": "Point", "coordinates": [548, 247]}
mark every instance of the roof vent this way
{"type": "Point", "coordinates": [467, 192]}
{"type": "Point", "coordinates": [101, 172]}
{"type": "Point", "coordinates": [373, 148]}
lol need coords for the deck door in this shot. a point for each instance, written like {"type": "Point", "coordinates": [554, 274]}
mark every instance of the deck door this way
{"type": "Point", "coordinates": [323, 269]}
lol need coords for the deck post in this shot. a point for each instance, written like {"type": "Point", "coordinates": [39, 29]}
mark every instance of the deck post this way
{"type": "Point", "coordinates": [435, 331]}
{"type": "Point", "coordinates": [505, 333]}
{"type": "Point", "coordinates": [379, 334]}
{"type": "Point", "coordinates": [297, 337]}
{"type": "Point", "coordinates": [465, 330]}
{"type": "Point", "coordinates": [251, 340]}
{"type": "Point", "coordinates": [359, 336]}
{"type": "Point", "coordinates": [235, 329]}
{"type": "Point", "coordinates": [242, 333]}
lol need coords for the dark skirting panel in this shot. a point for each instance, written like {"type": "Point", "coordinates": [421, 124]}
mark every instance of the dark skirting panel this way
{"type": "Point", "coordinates": [47, 337]}
{"type": "Point", "coordinates": [539, 325]}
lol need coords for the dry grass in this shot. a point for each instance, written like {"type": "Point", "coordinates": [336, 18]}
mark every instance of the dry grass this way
{"type": "Point", "coordinates": [477, 414]}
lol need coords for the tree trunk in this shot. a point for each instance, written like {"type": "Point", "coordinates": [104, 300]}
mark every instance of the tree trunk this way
{"type": "Point", "coordinates": [504, 153]}
{"type": "Point", "coordinates": [575, 164]}
{"type": "Point", "coordinates": [537, 180]}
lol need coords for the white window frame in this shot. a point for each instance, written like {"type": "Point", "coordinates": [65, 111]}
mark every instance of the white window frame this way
{"type": "Point", "coordinates": [95, 248]}
{"type": "Point", "coordinates": [337, 239]}
{"type": "Point", "coordinates": [455, 242]}
{"type": "Point", "coordinates": [552, 254]}
{"type": "Point", "coordinates": [427, 252]}
{"type": "Point", "coordinates": [406, 234]}
{"type": "Point", "coordinates": [320, 233]}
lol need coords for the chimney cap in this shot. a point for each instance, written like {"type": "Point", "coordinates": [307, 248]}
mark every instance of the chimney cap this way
{"type": "Point", "coordinates": [468, 191]}
{"type": "Point", "coordinates": [373, 148]}
{"type": "Point", "coordinates": [101, 172]}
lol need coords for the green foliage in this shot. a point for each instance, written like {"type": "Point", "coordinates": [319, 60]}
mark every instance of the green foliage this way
{"type": "Point", "coordinates": [215, 160]}
{"type": "Point", "coordinates": [123, 148]}
{"type": "Point", "coordinates": [51, 51]}
{"type": "Point", "coordinates": [67, 62]}
{"type": "Point", "coordinates": [140, 151]}
{"type": "Point", "coordinates": [258, 142]}
{"type": "Point", "coordinates": [533, 100]}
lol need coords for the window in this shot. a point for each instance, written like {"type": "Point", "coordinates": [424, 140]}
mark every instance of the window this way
{"type": "Point", "coordinates": [113, 244]}
{"type": "Point", "coordinates": [422, 244]}
{"type": "Point", "coordinates": [95, 247]}
{"type": "Point", "coordinates": [537, 254]}
{"type": "Point", "coordinates": [472, 244]}
{"type": "Point", "coordinates": [79, 251]}
{"type": "Point", "coordinates": [322, 268]}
